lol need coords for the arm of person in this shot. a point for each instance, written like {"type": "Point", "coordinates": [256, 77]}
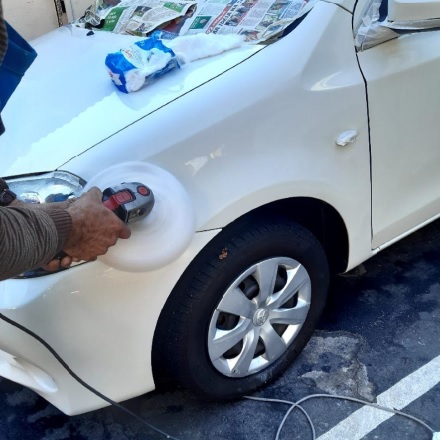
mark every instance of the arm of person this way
{"type": "Point", "coordinates": [30, 238]}
{"type": "Point", "coordinates": [61, 261]}
{"type": "Point", "coordinates": [32, 234]}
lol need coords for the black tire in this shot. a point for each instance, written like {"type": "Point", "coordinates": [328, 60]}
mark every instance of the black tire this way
{"type": "Point", "coordinates": [184, 345]}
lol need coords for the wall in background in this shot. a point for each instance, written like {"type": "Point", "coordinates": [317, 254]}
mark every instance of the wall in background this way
{"type": "Point", "coordinates": [75, 8]}
{"type": "Point", "coordinates": [31, 18]}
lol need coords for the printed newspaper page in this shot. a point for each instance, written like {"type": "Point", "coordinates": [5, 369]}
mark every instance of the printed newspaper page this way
{"type": "Point", "coordinates": [135, 17]}
{"type": "Point", "coordinates": [256, 20]}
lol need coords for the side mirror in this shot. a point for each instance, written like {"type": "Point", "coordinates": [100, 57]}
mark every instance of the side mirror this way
{"type": "Point", "coordinates": [412, 10]}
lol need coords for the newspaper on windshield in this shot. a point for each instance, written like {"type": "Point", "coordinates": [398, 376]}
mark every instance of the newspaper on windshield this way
{"type": "Point", "coordinates": [256, 20]}
{"type": "Point", "coordinates": [134, 17]}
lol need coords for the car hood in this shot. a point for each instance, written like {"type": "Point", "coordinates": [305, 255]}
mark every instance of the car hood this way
{"type": "Point", "coordinates": [66, 103]}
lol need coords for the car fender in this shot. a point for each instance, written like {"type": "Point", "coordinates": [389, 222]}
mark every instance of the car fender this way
{"type": "Point", "coordinates": [236, 145]}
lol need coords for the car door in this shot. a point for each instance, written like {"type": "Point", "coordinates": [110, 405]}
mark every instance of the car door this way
{"type": "Point", "coordinates": [402, 76]}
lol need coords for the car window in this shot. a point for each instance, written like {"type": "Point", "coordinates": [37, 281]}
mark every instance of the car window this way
{"type": "Point", "coordinates": [368, 27]}
{"type": "Point", "coordinates": [371, 25]}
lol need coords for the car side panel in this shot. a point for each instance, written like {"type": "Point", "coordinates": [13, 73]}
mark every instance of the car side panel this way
{"type": "Point", "coordinates": [404, 98]}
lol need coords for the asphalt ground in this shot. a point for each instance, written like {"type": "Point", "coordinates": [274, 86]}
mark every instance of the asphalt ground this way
{"type": "Point", "coordinates": [379, 340]}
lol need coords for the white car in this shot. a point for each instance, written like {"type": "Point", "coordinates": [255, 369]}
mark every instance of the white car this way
{"type": "Point", "coordinates": [296, 159]}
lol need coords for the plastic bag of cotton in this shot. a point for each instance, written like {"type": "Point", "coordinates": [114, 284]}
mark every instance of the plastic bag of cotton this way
{"type": "Point", "coordinates": [147, 60]}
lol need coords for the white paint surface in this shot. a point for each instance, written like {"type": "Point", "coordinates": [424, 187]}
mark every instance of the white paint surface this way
{"type": "Point", "coordinates": [400, 395]}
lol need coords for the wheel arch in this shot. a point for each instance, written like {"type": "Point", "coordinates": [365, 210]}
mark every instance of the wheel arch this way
{"type": "Point", "coordinates": [320, 218]}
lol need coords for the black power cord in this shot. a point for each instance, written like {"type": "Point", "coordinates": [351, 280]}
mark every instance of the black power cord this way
{"type": "Point", "coordinates": [78, 379]}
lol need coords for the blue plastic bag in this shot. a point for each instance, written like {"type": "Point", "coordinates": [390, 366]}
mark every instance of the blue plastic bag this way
{"type": "Point", "coordinates": [139, 64]}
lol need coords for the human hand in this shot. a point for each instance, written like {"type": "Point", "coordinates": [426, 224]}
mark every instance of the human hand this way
{"type": "Point", "coordinates": [62, 262]}
{"type": "Point", "coordinates": [94, 228]}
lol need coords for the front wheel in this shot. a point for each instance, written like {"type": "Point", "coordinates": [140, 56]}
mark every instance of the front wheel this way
{"type": "Point", "coordinates": [244, 309]}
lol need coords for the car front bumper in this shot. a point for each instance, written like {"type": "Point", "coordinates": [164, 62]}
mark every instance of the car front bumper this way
{"type": "Point", "coordinates": [99, 320]}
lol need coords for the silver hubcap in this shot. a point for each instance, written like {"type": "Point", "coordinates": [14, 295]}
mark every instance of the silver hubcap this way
{"type": "Point", "coordinates": [259, 316]}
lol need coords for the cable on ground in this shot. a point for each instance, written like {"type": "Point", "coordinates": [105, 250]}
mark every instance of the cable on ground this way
{"type": "Point", "coordinates": [293, 405]}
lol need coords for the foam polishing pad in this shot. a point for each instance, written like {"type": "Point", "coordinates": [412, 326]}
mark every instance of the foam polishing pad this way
{"type": "Point", "coordinates": [164, 234]}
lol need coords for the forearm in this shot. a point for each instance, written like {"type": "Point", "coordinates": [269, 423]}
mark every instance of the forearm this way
{"type": "Point", "coordinates": [30, 238]}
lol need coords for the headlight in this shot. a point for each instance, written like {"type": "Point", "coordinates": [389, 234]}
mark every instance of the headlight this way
{"type": "Point", "coordinates": [49, 187]}
{"type": "Point", "coordinates": [56, 186]}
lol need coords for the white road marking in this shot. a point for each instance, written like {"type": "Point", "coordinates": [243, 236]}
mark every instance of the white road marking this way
{"type": "Point", "coordinates": [365, 419]}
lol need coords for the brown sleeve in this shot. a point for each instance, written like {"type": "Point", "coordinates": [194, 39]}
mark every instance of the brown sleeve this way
{"type": "Point", "coordinates": [30, 238]}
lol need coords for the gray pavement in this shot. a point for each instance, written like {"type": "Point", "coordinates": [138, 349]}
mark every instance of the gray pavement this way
{"type": "Point", "coordinates": [382, 323]}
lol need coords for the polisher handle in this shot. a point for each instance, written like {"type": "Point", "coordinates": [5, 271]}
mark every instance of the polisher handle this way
{"type": "Point", "coordinates": [130, 201]}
